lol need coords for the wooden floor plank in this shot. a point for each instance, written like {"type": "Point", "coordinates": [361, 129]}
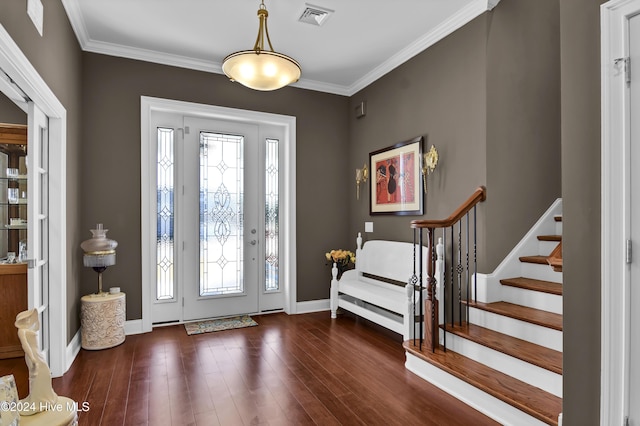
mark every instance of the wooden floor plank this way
{"type": "Point", "coordinates": [290, 370]}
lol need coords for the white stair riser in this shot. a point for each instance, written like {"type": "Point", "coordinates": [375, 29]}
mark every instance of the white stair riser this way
{"type": "Point", "coordinates": [540, 272]}
{"type": "Point", "coordinates": [536, 376]}
{"type": "Point", "coordinates": [558, 228]}
{"type": "Point", "coordinates": [533, 333]}
{"type": "Point", "coordinates": [532, 299]}
{"type": "Point", "coordinates": [546, 247]}
{"type": "Point", "coordinates": [493, 407]}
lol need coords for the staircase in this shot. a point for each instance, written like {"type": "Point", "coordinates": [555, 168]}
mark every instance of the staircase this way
{"type": "Point", "coordinates": [506, 360]}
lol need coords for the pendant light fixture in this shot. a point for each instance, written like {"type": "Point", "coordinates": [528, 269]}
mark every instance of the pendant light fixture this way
{"type": "Point", "coordinates": [261, 69]}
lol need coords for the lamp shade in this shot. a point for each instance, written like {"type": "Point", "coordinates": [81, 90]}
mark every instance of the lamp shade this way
{"type": "Point", "coordinates": [99, 251]}
{"type": "Point", "coordinates": [261, 70]}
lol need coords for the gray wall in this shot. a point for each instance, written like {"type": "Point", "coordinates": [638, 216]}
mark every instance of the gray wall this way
{"type": "Point", "coordinates": [10, 112]}
{"type": "Point", "coordinates": [523, 120]}
{"type": "Point", "coordinates": [57, 58]}
{"type": "Point", "coordinates": [580, 64]}
{"type": "Point", "coordinates": [488, 98]}
{"type": "Point", "coordinates": [110, 187]}
{"type": "Point", "coordinates": [441, 95]}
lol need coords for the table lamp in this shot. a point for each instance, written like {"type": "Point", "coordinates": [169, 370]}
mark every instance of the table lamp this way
{"type": "Point", "coordinates": [99, 252]}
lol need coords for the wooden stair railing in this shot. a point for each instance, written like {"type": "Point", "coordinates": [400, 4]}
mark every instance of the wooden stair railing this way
{"type": "Point", "coordinates": [457, 269]}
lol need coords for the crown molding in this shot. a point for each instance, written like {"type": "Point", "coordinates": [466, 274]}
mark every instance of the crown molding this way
{"type": "Point", "coordinates": [147, 55]}
{"type": "Point", "coordinates": [72, 7]}
{"type": "Point", "coordinates": [459, 19]}
{"type": "Point", "coordinates": [320, 86]}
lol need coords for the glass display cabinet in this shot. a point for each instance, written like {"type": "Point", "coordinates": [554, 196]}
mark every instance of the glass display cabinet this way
{"type": "Point", "coordinates": [13, 234]}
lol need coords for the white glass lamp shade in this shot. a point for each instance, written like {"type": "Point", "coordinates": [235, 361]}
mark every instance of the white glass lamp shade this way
{"type": "Point", "coordinates": [261, 70]}
{"type": "Point", "coordinates": [99, 251]}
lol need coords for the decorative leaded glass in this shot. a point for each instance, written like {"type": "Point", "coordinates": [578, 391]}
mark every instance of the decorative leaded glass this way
{"type": "Point", "coordinates": [165, 288]}
{"type": "Point", "coordinates": [221, 214]}
{"type": "Point", "coordinates": [271, 216]}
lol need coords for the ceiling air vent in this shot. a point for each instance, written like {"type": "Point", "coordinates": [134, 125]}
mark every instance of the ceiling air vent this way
{"type": "Point", "coordinates": [315, 15]}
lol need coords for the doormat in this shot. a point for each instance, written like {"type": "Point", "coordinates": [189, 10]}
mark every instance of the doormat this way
{"type": "Point", "coordinates": [220, 324]}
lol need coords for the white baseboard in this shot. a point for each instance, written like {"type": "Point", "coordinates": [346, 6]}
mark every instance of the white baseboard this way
{"type": "Point", "coordinates": [73, 348]}
{"type": "Point", "coordinates": [133, 327]}
{"type": "Point", "coordinates": [312, 306]}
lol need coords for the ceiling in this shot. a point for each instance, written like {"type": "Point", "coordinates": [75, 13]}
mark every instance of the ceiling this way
{"type": "Point", "coordinates": [357, 44]}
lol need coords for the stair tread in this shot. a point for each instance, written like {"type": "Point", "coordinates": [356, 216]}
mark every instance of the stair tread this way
{"type": "Point", "coordinates": [540, 356]}
{"type": "Point", "coordinates": [549, 237]}
{"type": "Point", "coordinates": [541, 260]}
{"type": "Point", "coordinates": [558, 218]}
{"type": "Point", "coordinates": [522, 313]}
{"type": "Point", "coordinates": [525, 397]}
{"type": "Point", "coordinates": [534, 284]}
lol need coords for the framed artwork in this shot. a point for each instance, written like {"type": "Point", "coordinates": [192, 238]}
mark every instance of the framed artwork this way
{"type": "Point", "coordinates": [395, 179]}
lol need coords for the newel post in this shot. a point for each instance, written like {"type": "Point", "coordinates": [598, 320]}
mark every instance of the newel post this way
{"type": "Point", "coordinates": [334, 291]}
{"type": "Point", "coordinates": [431, 302]}
{"type": "Point", "coordinates": [409, 315]}
{"type": "Point", "coordinates": [358, 249]}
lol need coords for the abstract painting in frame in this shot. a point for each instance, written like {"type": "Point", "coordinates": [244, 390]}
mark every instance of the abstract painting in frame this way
{"type": "Point", "coordinates": [396, 186]}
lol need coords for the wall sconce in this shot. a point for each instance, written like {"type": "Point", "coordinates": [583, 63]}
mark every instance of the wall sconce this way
{"type": "Point", "coordinates": [429, 163]}
{"type": "Point", "coordinates": [361, 177]}
{"type": "Point", "coordinates": [99, 252]}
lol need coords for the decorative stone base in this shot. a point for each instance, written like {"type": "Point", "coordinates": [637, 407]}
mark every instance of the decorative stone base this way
{"type": "Point", "coordinates": [102, 318]}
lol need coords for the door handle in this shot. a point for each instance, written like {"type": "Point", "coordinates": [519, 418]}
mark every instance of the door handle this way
{"type": "Point", "coordinates": [253, 242]}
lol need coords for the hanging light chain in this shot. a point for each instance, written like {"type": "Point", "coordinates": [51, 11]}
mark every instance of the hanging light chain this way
{"type": "Point", "coordinates": [263, 14]}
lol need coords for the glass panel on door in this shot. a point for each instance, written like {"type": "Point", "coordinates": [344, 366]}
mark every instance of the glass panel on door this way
{"type": "Point", "coordinates": [165, 248]}
{"type": "Point", "coordinates": [271, 216]}
{"type": "Point", "coordinates": [13, 234]}
{"type": "Point", "coordinates": [221, 214]}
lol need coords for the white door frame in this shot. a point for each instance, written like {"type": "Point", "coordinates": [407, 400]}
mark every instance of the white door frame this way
{"type": "Point", "coordinates": [148, 198]}
{"type": "Point", "coordinates": [615, 210]}
{"type": "Point", "coordinates": [18, 67]}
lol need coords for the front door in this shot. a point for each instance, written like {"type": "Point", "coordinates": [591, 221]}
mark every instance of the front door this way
{"type": "Point", "coordinates": [220, 220]}
{"type": "Point", "coordinates": [218, 239]}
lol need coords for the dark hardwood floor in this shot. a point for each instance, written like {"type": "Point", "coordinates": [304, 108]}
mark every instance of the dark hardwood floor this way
{"type": "Point", "coordinates": [290, 370]}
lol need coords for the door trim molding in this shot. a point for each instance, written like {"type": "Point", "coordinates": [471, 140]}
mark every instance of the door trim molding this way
{"type": "Point", "coordinates": [148, 226]}
{"type": "Point", "coordinates": [615, 212]}
{"type": "Point", "coordinates": [22, 72]}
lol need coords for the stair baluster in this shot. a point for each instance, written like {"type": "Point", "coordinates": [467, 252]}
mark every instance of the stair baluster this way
{"type": "Point", "coordinates": [460, 273]}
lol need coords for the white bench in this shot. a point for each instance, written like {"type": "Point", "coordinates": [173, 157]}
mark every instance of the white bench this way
{"type": "Point", "coordinates": [364, 292]}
